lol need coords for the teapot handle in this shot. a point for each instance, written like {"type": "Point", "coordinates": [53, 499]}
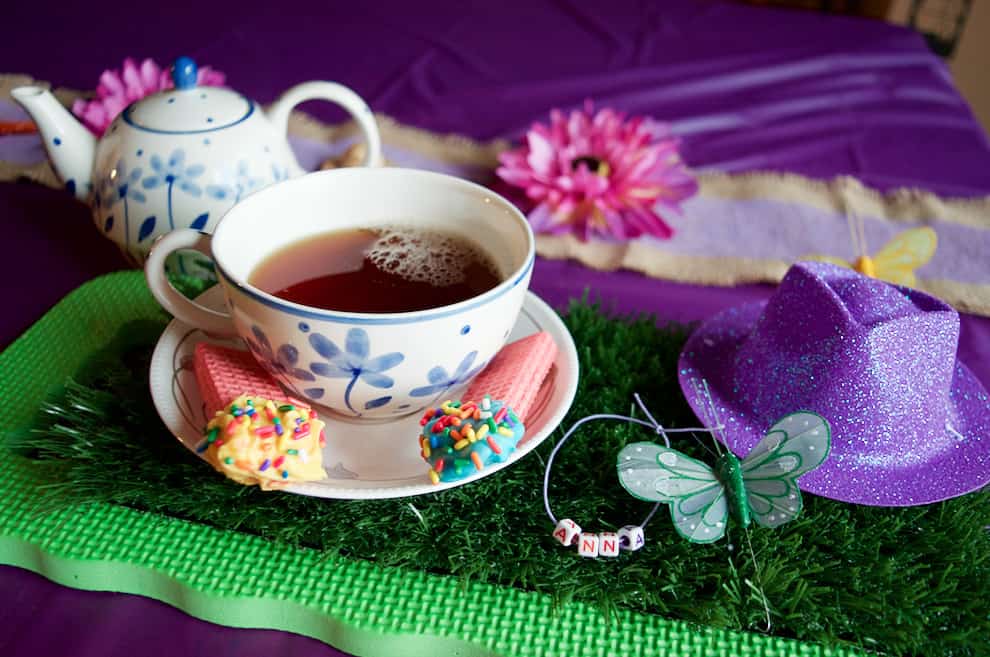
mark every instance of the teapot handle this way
{"type": "Point", "coordinates": [335, 93]}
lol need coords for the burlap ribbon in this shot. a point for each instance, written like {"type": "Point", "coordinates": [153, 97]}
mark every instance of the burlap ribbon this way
{"type": "Point", "coordinates": [740, 228]}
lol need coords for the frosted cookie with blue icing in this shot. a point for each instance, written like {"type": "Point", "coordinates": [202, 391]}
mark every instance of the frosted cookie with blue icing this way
{"type": "Point", "coordinates": [461, 438]}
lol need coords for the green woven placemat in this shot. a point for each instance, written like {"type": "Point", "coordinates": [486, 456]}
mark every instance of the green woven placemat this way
{"type": "Point", "coordinates": [355, 605]}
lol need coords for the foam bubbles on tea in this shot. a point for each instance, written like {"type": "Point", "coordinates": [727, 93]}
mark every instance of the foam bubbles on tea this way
{"type": "Point", "coordinates": [383, 270]}
{"type": "Point", "coordinates": [424, 257]}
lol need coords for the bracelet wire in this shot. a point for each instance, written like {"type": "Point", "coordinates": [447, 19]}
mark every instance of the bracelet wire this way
{"type": "Point", "coordinates": [657, 428]}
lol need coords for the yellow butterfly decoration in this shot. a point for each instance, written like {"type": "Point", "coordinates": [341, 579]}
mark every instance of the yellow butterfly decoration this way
{"type": "Point", "coordinates": [898, 258]}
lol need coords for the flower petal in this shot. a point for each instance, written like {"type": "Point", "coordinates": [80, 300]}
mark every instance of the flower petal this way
{"type": "Point", "coordinates": [132, 81]}
{"type": "Point", "coordinates": [540, 218]}
{"type": "Point", "coordinates": [323, 346]}
{"type": "Point", "coordinates": [384, 362]}
{"type": "Point", "coordinates": [114, 105]}
{"type": "Point", "coordinates": [301, 374]}
{"type": "Point", "coordinates": [465, 364]}
{"type": "Point", "coordinates": [653, 224]}
{"type": "Point", "coordinates": [515, 176]}
{"type": "Point", "coordinates": [150, 72]}
{"type": "Point", "coordinates": [376, 380]}
{"type": "Point", "coordinates": [375, 403]}
{"type": "Point", "coordinates": [262, 339]}
{"type": "Point", "coordinates": [357, 343]}
{"type": "Point", "coordinates": [190, 188]}
{"type": "Point", "coordinates": [147, 227]}
{"type": "Point", "coordinates": [93, 114]}
{"type": "Point", "coordinates": [288, 355]}
{"type": "Point", "coordinates": [330, 370]}
{"type": "Point", "coordinates": [208, 77]}
{"type": "Point", "coordinates": [541, 153]}
{"type": "Point", "coordinates": [427, 391]}
{"type": "Point", "coordinates": [218, 192]}
{"type": "Point", "coordinates": [437, 375]}
{"type": "Point", "coordinates": [110, 84]}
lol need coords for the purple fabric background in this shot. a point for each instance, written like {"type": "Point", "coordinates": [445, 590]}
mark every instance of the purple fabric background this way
{"type": "Point", "coordinates": [747, 88]}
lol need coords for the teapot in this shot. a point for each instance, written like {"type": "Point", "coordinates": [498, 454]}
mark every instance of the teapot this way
{"type": "Point", "coordinates": [181, 157]}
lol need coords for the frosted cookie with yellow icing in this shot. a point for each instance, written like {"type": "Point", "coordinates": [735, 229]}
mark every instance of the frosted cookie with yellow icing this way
{"type": "Point", "coordinates": [265, 442]}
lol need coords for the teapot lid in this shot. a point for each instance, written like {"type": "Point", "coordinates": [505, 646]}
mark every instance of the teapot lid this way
{"type": "Point", "coordinates": [188, 108]}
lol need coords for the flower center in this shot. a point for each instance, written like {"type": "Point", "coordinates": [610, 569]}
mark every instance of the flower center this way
{"type": "Point", "coordinates": [594, 165]}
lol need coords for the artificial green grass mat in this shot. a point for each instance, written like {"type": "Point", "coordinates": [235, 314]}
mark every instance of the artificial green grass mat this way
{"type": "Point", "coordinates": [911, 581]}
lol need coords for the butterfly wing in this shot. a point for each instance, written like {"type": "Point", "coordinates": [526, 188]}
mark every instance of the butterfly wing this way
{"type": "Point", "coordinates": [907, 251]}
{"type": "Point", "coordinates": [701, 517]}
{"type": "Point", "coordinates": [655, 473]}
{"type": "Point", "coordinates": [796, 444]}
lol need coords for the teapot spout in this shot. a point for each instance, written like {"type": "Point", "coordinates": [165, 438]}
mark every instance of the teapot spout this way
{"type": "Point", "coordinates": [71, 147]}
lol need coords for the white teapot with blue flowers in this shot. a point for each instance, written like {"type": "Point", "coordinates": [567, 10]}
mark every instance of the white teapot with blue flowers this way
{"type": "Point", "coordinates": [181, 157]}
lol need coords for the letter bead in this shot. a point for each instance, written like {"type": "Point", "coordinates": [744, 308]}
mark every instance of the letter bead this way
{"type": "Point", "coordinates": [631, 538]}
{"type": "Point", "coordinates": [566, 532]}
{"type": "Point", "coordinates": [608, 544]}
{"type": "Point", "coordinates": [588, 545]}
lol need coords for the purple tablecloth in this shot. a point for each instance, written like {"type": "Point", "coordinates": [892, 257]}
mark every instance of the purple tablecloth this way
{"type": "Point", "coordinates": [747, 88]}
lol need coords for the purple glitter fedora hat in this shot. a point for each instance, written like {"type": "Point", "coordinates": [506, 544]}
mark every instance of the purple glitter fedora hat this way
{"type": "Point", "coordinates": [910, 423]}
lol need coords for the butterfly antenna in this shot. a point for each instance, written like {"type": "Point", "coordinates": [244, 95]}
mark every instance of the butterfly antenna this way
{"type": "Point", "coordinates": [853, 235]}
{"type": "Point", "coordinates": [708, 419]}
{"type": "Point", "coordinates": [659, 429]}
{"type": "Point", "coordinates": [656, 425]}
{"type": "Point", "coordinates": [861, 228]}
{"type": "Point", "coordinates": [758, 587]}
{"type": "Point", "coordinates": [703, 445]}
{"type": "Point", "coordinates": [715, 423]}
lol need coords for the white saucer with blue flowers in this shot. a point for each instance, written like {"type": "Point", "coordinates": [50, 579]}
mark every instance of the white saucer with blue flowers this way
{"type": "Point", "coordinates": [364, 460]}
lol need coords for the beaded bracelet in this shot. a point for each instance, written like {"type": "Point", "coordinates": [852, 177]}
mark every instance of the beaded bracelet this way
{"type": "Point", "coordinates": [629, 537]}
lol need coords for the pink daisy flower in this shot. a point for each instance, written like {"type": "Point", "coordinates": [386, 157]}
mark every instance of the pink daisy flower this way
{"type": "Point", "coordinates": [599, 175]}
{"type": "Point", "coordinates": [118, 89]}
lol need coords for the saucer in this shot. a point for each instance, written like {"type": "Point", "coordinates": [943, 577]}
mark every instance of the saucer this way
{"type": "Point", "coordinates": [353, 457]}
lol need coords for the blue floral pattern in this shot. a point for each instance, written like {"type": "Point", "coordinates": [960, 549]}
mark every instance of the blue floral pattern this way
{"type": "Point", "coordinates": [283, 361]}
{"type": "Point", "coordinates": [124, 187]}
{"type": "Point", "coordinates": [239, 185]}
{"type": "Point", "coordinates": [279, 173]}
{"type": "Point", "coordinates": [440, 381]}
{"type": "Point", "coordinates": [166, 175]}
{"type": "Point", "coordinates": [354, 362]}
{"type": "Point", "coordinates": [174, 173]}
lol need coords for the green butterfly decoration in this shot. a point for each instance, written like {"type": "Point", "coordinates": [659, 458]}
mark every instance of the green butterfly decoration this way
{"type": "Point", "coordinates": [762, 487]}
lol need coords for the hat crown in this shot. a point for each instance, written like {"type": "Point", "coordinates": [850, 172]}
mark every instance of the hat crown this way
{"type": "Point", "coordinates": [839, 342]}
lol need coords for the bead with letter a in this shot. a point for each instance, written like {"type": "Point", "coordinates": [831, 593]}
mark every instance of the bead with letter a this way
{"type": "Point", "coordinates": [631, 538]}
{"type": "Point", "coordinates": [566, 532]}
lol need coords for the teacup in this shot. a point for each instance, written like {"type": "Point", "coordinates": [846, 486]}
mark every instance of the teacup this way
{"type": "Point", "coordinates": [367, 365]}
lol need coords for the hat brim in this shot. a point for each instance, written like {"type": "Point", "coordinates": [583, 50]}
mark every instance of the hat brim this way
{"type": "Point", "coordinates": [951, 465]}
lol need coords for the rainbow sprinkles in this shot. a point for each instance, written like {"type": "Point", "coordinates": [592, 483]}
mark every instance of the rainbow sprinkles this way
{"type": "Point", "coordinates": [265, 442]}
{"type": "Point", "coordinates": [460, 438]}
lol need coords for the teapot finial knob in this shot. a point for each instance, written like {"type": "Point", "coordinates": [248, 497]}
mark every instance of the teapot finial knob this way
{"type": "Point", "coordinates": [184, 73]}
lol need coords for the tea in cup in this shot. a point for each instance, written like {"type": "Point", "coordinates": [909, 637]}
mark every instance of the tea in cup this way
{"type": "Point", "coordinates": [371, 292]}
